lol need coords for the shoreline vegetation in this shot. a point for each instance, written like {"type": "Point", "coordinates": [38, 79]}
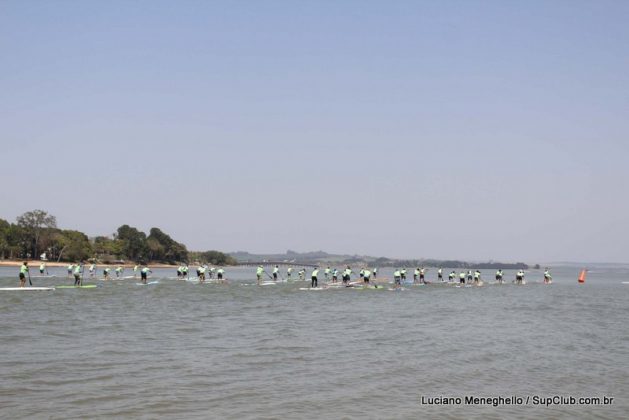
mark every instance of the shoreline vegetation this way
{"type": "Point", "coordinates": [36, 233]}
{"type": "Point", "coordinates": [36, 237]}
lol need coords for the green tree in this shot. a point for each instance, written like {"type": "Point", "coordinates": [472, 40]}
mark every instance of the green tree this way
{"type": "Point", "coordinates": [19, 242]}
{"type": "Point", "coordinates": [4, 241]}
{"type": "Point", "coordinates": [164, 248]}
{"type": "Point", "coordinates": [213, 257]}
{"type": "Point", "coordinates": [134, 243]}
{"type": "Point", "coordinates": [35, 224]}
{"type": "Point", "coordinates": [73, 246]}
{"type": "Point", "coordinates": [107, 249]}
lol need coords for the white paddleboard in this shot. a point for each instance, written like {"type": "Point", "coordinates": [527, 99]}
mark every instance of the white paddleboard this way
{"type": "Point", "coordinates": [312, 288]}
{"type": "Point", "coordinates": [24, 289]}
{"type": "Point", "coordinates": [146, 284]}
{"type": "Point", "coordinates": [268, 283]}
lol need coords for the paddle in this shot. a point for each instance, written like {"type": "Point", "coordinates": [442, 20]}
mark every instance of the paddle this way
{"type": "Point", "coordinates": [30, 283]}
{"type": "Point", "coordinates": [268, 275]}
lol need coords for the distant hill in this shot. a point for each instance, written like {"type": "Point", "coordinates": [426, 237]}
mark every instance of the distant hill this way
{"type": "Point", "coordinates": [321, 257]}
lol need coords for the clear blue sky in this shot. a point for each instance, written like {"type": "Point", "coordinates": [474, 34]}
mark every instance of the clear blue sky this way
{"type": "Point", "coordinates": [446, 129]}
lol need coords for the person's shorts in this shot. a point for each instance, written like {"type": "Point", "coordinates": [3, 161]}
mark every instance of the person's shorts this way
{"type": "Point", "coordinates": [22, 277]}
{"type": "Point", "coordinates": [143, 275]}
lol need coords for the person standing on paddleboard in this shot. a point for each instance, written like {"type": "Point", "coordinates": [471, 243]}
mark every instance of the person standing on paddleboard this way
{"type": "Point", "coordinates": [70, 267]}
{"type": "Point", "coordinates": [259, 272]}
{"type": "Point", "coordinates": [92, 270]}
{"type": "Point", "coordinates": [327, 272]}
{"type": "Point", "coordinates": [422, 275]}
{"type": "Point", "coordinates": [106, 273]}
{"type": "Point", "coordinates": [144, 274]}
{"type": "Point", "coordinates": [289, 273]}
{"type": "Point", "coordinates": [440, 274]}
{"type": "Point", "coordinates": [415, 275]}
{"type": "Point", "coordinates": [314, 282]}
{"type": "Point", "coordinates": [23, 274]}
{"type": "Point", "coordinates": [276, 271]}
{"type": "Point", "coordinates": [77, 274]}
{"type": "Point", "coordinates": [347, 275]}
{"type": "Point", "coordinates": [462, 277]}
{"type": "Point", "coordinates": [375, 273]}
{"type": "Point", "coordinates": [42, 268]}
{"type": "Point", "coordinates": [397, 277]}
{"type": "Point", "coordinates": [366, 276]}
{"type": "Point", "coordinates": [335, 275]}
{"type": "Point", "coordinates": [499, 276]}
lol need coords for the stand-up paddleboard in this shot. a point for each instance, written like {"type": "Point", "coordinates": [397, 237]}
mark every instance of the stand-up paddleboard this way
{"type": "Point", "coordinates": [47, 276]}
{"type": "Point", "coordinates": [149, 283]}
{"type": "Point", "coordinates": [268, 283]}
{"type": "Point", "coordinates": [86, 286]}
{"type": "Point", "coordinates": [369, 287]}
{"type": "Point", "coordinates": [25, 289]}
{"type": "Point", "coordinates": [312, 288]}
{"type": "Point", "coordinates": [396, 289]}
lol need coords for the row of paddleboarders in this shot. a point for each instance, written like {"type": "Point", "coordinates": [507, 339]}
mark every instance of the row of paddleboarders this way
{"type": "Point", "coordinates": [202, 270]}
{"type": "Point", "coordinates": [399, 275]}
{"type": "Point", "coordinates": [329, 274]}
{"type": "Point", "coordinates": [76, 271]}
{"type": "Point", "coordinates": [465, 277]}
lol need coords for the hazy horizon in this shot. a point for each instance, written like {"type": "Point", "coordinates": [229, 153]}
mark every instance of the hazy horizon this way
{"type": "Point", "coordinates": [447, 130]}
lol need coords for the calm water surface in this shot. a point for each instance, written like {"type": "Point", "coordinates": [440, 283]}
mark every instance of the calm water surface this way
{"type": "Point", "coordinates": [183, 350]}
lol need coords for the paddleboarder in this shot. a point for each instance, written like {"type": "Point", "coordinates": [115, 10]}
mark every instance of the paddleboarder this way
{"type": "Point", "coordinates": [23, 274]}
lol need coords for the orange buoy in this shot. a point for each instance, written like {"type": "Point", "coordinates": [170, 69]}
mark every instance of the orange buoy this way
{"type": "Point", "coordinates": [582, 276]}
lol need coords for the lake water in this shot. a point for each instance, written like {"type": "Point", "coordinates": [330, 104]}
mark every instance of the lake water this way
{"type": "Point", "coordinates": [183, 350]}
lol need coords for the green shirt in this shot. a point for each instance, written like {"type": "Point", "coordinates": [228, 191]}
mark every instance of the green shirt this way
{"type": "Point", "coordinates": [315, 272]}
{"type": "Point", "coordinates": [24, 269]}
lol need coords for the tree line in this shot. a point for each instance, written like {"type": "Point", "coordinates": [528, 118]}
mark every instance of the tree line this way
{"type": "Point", "coordinates": [36, 232]}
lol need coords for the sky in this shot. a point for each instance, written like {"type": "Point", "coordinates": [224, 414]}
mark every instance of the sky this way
{"type": "Point", "coordinates": [475, 130]}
